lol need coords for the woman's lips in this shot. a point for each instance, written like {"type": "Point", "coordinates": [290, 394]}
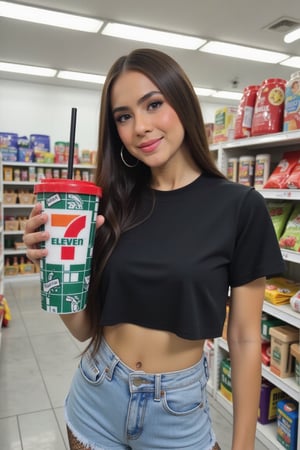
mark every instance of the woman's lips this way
{"type": "Point", "coordinates": [149, 146]}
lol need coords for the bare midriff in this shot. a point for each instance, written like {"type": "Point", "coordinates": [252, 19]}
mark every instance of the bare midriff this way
{"type": "Point", "coordinates": [152, 351]}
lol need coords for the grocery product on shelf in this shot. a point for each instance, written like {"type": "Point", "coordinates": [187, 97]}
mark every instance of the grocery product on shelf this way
{"type": "Point", "coordinates": [278, 178]}
{"type": "Point", "coordinates": [291, 119]}
{"type": "Point", "coordinates": [262, 170]}
{"type": "Point", "coordinates": [279, 290]}
{"type": "Point", "coordinates": [295, 352]}
{"type": "Point", "coordinates": [246, 170]}
{"type": "Point", "coordinates": [295, 302]}
{"type": "Point", "coordinates": [269, 397]}
{"type": "Point", "coordinates": [224, 124]}
{"type": "Point", "coordinates": [243, 121]}
{"type": "Point", "coordinates": [225, 384]}
{"type": "Point", "coordinates": [232, 169]}
{"type": "Point", "coordinates": [279, 211]}
{"type": "Point", "coordinates": [287, 422]}
{"type": "Point", "coordinates": [290, 238]}
{"type": "Point", "coordinates": [269, 107]}
{"type": "Point", "coordinates": [282, 337]}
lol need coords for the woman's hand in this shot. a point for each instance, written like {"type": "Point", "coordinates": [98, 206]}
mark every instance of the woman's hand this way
{"type": "Point", "coordinates": [33, 237]}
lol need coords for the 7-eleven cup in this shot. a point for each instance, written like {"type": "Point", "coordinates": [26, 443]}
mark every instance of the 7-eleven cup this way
{"type": "Point", "coordinates": [72, 208]}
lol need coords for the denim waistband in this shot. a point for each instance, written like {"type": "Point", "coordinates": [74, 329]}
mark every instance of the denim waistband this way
{"type": "Point", "coordinates": [150, 382]}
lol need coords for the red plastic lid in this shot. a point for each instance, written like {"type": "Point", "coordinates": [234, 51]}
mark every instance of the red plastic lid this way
{"type": "Point", "coordinates": [274, 81]}
{"type": "Point", "coordinates": [252, 87]}
{"type": "Point", "coordinates": [66, 185]}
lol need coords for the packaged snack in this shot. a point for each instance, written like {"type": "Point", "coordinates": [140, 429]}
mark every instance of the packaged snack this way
{"type": "Point", "coordinates": [279, 290]}
{"type": "Point", "coordinates": [290, 238]}
{"type": "Point", "coordinates": [295, 302]}
{"type": "Point", "coordinates": [243, 122]}
{"type": "Point", "coordinates": [284, 168]}
{"type": "Point", "coordinates": [279, 211]}
{"type": "Point", "coordinates": [293, 180]}
{"type": "Point", "coordinates": [292, 103]}
{"type": "Point", "coordinates": [269, 397]}
{"type": "Point", "coordinates": [224, 124]}
{"type": "Point", "coordinates": [269, 107]}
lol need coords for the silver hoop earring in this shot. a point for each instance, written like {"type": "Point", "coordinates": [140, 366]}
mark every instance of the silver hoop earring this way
{"type": "Point", "coordinates": [125, 162]}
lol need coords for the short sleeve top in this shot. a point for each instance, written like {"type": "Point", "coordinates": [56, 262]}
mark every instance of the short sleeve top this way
{"type": "Point", "coordinates": [172, 272]}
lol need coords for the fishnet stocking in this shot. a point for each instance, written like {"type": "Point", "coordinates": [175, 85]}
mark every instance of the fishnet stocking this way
{"type": "Point", "coordinates": [74, 443]}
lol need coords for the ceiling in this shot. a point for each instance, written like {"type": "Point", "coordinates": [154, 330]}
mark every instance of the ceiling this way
{"type": "Point", "coordinates": [237, 21]}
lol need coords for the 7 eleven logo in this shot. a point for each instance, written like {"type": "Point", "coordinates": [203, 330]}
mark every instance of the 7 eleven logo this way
{"type": "Point", "coordinates": [69, 237]}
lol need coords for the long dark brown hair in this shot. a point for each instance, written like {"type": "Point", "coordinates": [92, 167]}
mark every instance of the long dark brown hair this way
{"type": "Point", "coordinates": [123, 186]}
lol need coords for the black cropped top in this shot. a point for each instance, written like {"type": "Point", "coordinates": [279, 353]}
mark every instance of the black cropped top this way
{"type": "Point", "coordinates": [172, 272]}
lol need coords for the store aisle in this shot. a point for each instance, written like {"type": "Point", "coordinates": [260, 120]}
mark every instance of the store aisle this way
{"type": "Point", "coordinates": [38, 357]}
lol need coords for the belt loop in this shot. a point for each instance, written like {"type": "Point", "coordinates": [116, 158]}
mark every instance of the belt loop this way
{"type": "Point", "coordinates": [157, 388]}
{"type": "Point", "coordinates": [110, 369]}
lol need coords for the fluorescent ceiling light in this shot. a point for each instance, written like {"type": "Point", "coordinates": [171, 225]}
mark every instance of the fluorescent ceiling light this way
{"type": "Point", "coordinates": [294, 61]}
{"type": "Point", "coordinates": [292, 36]}
{"type": "Point", "coordinates": [49, 17]}
{"type": "Point", "coordinates": [78, 76]}
{"type": "Point", "coordinates": [228, 94]}
{"type": "Point", "coordinates": [203, 92]}
{"type": "Point", "coordinates": [153, 36]}
{"type": "Point", "coordinates": [27, 70]}
{"type": "Point", "coordinates": [240, 51]}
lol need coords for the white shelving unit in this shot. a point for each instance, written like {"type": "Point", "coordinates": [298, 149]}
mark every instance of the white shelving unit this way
{"type": "Point", "coordinates": [23, 210]}
{"type": "Point", "coordinates": [275, 144]}
{"type": "Point", "coordinates": [1, 241]}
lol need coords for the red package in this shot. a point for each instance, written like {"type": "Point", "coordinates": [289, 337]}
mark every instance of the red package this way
{"type": "Point", "coordinates": [293, 181]}
{"type": "Point", "coordinates": [278, 178]}
{"type": "Point", "coordinates": [266, 353]}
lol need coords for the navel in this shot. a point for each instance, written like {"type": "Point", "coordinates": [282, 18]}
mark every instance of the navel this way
{"type": "Point", "coordinates": [138, 365]}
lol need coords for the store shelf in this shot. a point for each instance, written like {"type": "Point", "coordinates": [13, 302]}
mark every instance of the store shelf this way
{"type": "Point", "coordinates": [275, 144]}
{"type": "Point", "coordinates": [18, 205]}
{"type": "Point", "coordinates": [13, 251]}
{"type": "Point", "coordinates": [21, 278]}
{"type": "Point", "coordinates": [283, 312]}
{"type": "Point", "coordinates": [13, 233]}
{"type": "Point", "coordinates": [53, 165]}
{"type": "Point", "coordinates": [289, 138]}
{"type": "Point", "coordinates": [287, 385]}
{"type": "Point", "coordinates": [290, 255]}
{"type": "Point", "coordinates": [280, 194]}
{"type": "Point", "coordinates": [265, 433]}
{"type": "Point", "coordinates": [19, 183]}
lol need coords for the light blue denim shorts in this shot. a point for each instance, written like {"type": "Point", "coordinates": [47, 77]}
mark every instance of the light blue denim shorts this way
{"type": "Point", "coordinates": [112, 407]}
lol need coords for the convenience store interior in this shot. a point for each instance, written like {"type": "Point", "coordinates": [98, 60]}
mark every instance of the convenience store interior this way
{"type": "Point", "coordinates": [38, 355]}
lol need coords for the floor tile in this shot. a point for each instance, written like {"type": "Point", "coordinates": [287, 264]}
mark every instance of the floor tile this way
{"type": "Point", "coordinates": [21, 385]}
{"type": "Point", "coordinates": [60, 417]}
{"type": "Point", "coordinates": [9, 434]}
{"type": "Point", "coordinates": [57, 356]}
{"type": "Point", "coordinates": [40, 322]}
{"type": "Point", "coordinates": [40, 431]}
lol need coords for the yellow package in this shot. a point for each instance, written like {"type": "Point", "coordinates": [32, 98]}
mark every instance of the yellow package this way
{"type": "Point", "coordinates": [279, 290]}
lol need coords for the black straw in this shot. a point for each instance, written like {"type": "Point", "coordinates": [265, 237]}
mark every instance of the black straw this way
{"type": "Point", "coordinates": [72, 143]}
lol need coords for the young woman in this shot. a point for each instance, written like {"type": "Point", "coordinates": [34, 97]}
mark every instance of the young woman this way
{"type": "Point", "coordinates": [173, 236]}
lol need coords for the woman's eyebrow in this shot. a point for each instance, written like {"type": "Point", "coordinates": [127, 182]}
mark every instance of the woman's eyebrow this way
{"type": "Point", "coordinates": [140, 101]}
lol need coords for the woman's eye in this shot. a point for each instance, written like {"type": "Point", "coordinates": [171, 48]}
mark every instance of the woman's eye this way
{"type": "Point", "coordinates": [122, 118]}
{"type": "Point", "coordinates": [155, 105]}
